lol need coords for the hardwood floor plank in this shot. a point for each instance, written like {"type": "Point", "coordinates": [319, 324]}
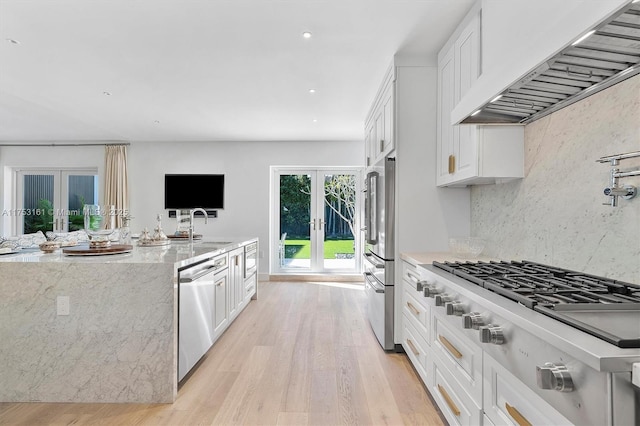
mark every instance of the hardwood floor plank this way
{"type": "Point", "coordinates": [304, 353]}
{"type": "Point", "coordinates": [234, 407]}
{"type": "Point", "coordinates": [292, 419]}
{"type": "Point", "coordinates": [352, 398]}
{"type": "Point", "coordinates": [323, 401]}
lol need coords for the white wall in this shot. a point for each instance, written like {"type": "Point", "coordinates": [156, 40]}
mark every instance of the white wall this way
{"type": "Point", "coordinates": [247, 175]}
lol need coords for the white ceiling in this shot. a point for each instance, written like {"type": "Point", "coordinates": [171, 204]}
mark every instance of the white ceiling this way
{"type": "Point", "coordinates": [204, 70]}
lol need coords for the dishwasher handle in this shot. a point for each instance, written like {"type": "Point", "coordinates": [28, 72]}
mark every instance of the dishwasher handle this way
{"type": "Point", "coordinates": [208, 269]}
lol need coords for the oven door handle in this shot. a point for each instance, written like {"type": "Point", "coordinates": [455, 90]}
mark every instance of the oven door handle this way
{"type": "Point", "coordinates": [375, 285]}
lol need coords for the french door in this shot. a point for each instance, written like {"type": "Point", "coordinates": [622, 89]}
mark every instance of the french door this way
{"type": "Point", "coordinates": [52, 199]}
{"type": "Point", "coordinates": [316, 214]}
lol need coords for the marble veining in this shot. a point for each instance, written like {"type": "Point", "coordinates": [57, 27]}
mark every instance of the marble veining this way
{"type": "Point", "coordinates": [556, 214]}
{"type": "Point", "coordinates": [117, 344]}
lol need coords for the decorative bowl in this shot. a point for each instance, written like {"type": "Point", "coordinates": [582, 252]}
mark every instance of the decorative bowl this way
{"type": "Point", "coordinates": [49, 246]}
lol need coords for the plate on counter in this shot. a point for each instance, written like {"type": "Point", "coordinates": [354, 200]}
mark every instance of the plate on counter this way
{"type": "Point", "coordinates": [100, 251]}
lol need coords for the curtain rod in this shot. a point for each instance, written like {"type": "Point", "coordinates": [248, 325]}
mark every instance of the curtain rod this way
{"type": "Point", "coordinates": [65, 144]}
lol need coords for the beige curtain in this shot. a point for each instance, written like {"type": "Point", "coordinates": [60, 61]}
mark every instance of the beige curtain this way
{"type": "Point", "coordinates": [116, 180]}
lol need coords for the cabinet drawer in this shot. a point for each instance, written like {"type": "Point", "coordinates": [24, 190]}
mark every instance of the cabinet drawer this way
{"type": "Point", "coordinates": [419, 313]}
{"type": "Point", "coordinates": [460, 355]}
{"type": "Point", "coordinates": [456, 405]}
{"type": "Point", "coordinates": [410, 274]}
{"type": "Point", "coordinates": [507, 401]}
{"type": "Point", "coordinates": [416, 348]}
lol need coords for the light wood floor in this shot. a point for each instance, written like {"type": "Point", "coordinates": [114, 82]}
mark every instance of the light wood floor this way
{"type": "Point", "coordinates": [302, 354]}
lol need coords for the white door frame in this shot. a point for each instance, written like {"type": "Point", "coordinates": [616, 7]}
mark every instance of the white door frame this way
{"type": "Point", "coordinates": [318, 186]}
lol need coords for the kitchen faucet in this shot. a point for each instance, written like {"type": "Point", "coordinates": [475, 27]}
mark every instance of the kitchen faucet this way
{"type": "Point", "coordinates": [191, 215]}
{"type": "Point", "coordinates": [614, 190]}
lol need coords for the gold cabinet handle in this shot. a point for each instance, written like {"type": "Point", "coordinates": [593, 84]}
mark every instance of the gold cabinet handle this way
{"type": "Point", "coordinates": [413, 309]}
{"type": "Point", "coordinates": [452, 349]}
{"type": "Point", "coordinates": [519, 418]}
{"type": "Point", "coordinates": [413, 348]}
{"type": "Point", "coordinates": [452, 164]}
{"type": "Point", "coordinates": [454, 408]}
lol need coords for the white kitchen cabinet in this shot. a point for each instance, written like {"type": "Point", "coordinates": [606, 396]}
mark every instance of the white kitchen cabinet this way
{"type": "Point", "coordinates": [470, 154]}
{"type": "Point", "coordinates": [235, 294]}
{"type": "Point", "coordinates": [220, 311]}
{"type": "Point", "coordinates": [379, 125]}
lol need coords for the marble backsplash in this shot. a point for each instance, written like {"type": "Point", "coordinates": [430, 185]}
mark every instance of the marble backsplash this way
{"type": "Point", "coordinates": [556, 215]}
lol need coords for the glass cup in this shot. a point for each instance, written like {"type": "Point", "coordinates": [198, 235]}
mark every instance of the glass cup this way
{"type": "Point", "coordinates": [99, 223]}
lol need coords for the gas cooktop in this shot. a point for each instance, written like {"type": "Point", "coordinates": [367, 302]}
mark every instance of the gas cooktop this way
{"type": "Point", "coordinates": [606, 308]}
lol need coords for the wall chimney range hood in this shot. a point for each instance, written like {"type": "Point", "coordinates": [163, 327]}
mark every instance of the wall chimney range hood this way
{"type": "Point", "coordinates": [600, 58]}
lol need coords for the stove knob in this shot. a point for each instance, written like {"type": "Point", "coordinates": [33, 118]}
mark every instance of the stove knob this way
{"type": "Point", "coordinates": [443, 298]}
{"type": "Point", "coordinates": [431, 291]}
{"type": "Point", "coordinates": [554, 376]}
{"type": "Point", "coordinates": [454, 308]}
{"type": "Point", "coordinates": [491, 334]}
{"type": "Point", "coordinates": [420, 284]}
{"type": "Point", "coordinates": [472, 320]}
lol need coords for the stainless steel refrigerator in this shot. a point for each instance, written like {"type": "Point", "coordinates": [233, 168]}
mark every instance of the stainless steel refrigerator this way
{"type": "Point", "coordinates": [379, 255]}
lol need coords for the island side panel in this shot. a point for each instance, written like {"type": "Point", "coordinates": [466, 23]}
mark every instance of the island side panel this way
{"type": "Point", "coordinates": [118, 343]}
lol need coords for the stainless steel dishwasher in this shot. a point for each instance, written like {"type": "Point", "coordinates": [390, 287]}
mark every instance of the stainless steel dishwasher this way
{"type": "Point", "coordinates": [195, 315]}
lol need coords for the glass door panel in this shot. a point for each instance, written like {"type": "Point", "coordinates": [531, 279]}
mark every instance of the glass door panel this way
{"type": "Point", "coordinates": [339, 217]}
{"type": "Point", "coordinates": [295, 206]}
{"type": "Point", "coordinates": [36, 212]}
{"type": "Point", "coordinates": [81, 188]}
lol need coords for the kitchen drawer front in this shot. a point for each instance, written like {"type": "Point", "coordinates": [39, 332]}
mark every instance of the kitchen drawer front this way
{"type": "Point", "coordinates": [507, 401]}
{"type": "Point", "coordinates": [461, 356]}
{"type": "Point", "coordinates": [250, 285]}
{"type": "Point", "coordinates": [416, 348]}
{"type": "Point", "coordinates": [410, 275]}
{"type": "Point", "coordinates": [419, 313]}
{"type": "Point", "coordinates": [456, 405]}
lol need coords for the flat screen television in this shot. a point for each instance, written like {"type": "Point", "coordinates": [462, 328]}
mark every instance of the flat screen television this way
{"type": "Point", "coordinates": [188, 191]}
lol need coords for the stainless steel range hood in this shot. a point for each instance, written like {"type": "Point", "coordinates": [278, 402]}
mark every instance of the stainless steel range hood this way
{"type": "Point", "coordinates": [607, 55]}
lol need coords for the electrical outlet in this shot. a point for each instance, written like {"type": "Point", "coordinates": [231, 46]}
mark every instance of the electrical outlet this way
{"type": "Point", "coordinates": [62, 304]}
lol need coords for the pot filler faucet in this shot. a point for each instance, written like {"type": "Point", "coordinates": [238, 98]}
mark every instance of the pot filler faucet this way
{"type": "Point", "coordinates": [191, 216]}
{"type": "Point", "coordinates": [613, 190]}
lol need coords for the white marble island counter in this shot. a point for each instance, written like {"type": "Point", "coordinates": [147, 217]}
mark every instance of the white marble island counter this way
{"type": "Point", "coordinates": [118, 342]}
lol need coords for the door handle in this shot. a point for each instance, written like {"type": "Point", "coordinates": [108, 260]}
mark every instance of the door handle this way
{"type": "Point", "coordinates": [313, 224]}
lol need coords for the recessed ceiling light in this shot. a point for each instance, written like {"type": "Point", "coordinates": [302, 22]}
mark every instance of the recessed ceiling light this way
{"type": "Point", "coordinates": [315, 121]}
{"type": "Point", "coordinates": [156, 121]}
{"type": "Point", "coordinates": [312, 91]}
{"type": "Point", "coordinates": [106, 93]}
{"type": "Point", "coordinates": [306, 34]}
{"type": "Point", "coordinates": [13, 41]}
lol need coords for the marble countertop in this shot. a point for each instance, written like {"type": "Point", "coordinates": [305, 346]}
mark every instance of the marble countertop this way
{"type": "Point", "coordinates": [421, 258]}
{"type": "Point", "coordinates": [178, 252]}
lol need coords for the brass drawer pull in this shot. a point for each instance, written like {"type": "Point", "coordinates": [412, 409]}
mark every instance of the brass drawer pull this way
{"type": "Point", "coordinates": [452, 349]}
{"type": "Point", "coordinates": [449, 401]}
{"type": "Point", "coordinates": [413, 309]}
{"type": "Point", "coordinates": [413, 348]}
{"type": "Point", "coordinates": [452, 164]}
{"type": "Point", "coordinates": [519, 418]}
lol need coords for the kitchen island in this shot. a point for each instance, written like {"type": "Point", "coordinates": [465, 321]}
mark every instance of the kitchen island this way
{"type": "Point", "coordinates": [118, 339]}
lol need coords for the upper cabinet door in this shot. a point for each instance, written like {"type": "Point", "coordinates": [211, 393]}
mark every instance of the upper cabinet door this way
{"type": "Point", "coordinates": [446, 133]}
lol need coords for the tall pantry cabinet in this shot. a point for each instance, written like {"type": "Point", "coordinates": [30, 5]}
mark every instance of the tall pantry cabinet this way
{"type": "Point", "coordinates": [425, 215]}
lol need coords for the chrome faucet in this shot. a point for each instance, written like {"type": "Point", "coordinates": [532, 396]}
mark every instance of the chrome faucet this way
{"type": "Point", "coordinates": [614, 190]}
{"type": "Point", "coordinates": [191, 216]}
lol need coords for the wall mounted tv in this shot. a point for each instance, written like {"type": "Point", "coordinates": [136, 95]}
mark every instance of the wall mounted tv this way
{"type": "Point", "coordinates": [188, 191]}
